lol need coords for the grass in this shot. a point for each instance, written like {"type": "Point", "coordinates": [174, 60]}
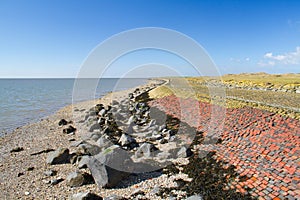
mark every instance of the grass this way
{"type": "Point", "coordinates": [262, 80]}
{"type": "Point", "coordinates": [284, 103]}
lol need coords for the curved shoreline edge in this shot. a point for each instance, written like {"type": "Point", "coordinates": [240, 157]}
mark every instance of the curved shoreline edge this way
{"type": "Point", "coordinates": [4, 132]}
{"type": "Point", "coordinates": [16, 180]}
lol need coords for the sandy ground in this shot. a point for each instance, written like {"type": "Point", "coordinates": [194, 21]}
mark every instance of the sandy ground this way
{"type": "Point", "coordinates": [22, 175]}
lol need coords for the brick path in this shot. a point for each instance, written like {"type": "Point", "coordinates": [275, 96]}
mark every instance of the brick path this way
{"type": "Point", "coordinates": [263, 146]}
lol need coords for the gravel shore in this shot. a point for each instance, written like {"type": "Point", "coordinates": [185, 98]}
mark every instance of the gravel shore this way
{"type": "Point", "coordinates": [23, 156]}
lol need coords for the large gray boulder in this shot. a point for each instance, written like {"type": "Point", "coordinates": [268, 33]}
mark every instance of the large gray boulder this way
{"type": "Point", "coordinates": [110, 166]}
{"type": "Point", "coordinates": [59, 156]}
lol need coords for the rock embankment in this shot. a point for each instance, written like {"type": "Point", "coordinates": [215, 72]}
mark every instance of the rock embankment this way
{"type": "Point", "coordinates": [125, 138]}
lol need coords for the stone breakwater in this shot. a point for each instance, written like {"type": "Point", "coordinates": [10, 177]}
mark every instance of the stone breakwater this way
{"type": "Point", "coordinates": [124, 138]}
{"type": "Point", "coordinates": [264, 147]}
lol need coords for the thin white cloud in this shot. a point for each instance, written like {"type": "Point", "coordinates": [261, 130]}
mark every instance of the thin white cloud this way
{"type": "Point", "coordinates": [239, 60]}
{"type": "Point", "coordinates": [278, 57]}
{"type": "Point", "coordinates": [290, 58]}
{"type": "Point", "coordinates": [264, 64]}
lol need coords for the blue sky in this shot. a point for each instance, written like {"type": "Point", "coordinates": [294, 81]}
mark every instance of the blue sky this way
{"type": "Point", "coordinates": [53, 38]}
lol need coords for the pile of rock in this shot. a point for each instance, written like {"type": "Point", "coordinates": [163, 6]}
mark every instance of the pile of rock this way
{"type": "Point", "coordinates": [124, 137]}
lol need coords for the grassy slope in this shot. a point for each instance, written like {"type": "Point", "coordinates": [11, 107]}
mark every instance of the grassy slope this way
{"type": "Point", "coordinates": [285, 103]}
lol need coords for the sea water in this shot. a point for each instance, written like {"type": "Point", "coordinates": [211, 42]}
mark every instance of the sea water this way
{"type": "Point", "coordinates": [27, 100]}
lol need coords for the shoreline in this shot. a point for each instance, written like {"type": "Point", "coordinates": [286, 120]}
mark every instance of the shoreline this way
{"type": "Point", "coordinates": [52, 107]}
{"type": "Point", "coordinates": [23, 173]}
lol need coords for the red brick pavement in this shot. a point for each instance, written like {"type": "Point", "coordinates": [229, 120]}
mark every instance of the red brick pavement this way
{"type": "Point", "coordinates": [263, 146]}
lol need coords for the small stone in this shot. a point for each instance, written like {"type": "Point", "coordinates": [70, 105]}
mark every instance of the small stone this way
{"type": "Point", "coordinates": [46, 181]}
{"type": "Point", "coordinates": [126, 140]}
{"type": "Point", "coordinates": [85, 196]}
{"type": "Point", "coordinates": [183, 152]}
{"type": "Point", "coordinates": [69, 130]}
{"type": "Point", "coordinates": [145, 150]}
{"type": "Point", "coordinates": [195, 197]}
{"type": "Point", "coordinates": [155, 190]}
{"type": "Point", "coordinates": [102, 112]}
{"type": "Point", "coordinates": [113, 197]}
{"type": "Point", "coordinates": [17, 149]}
{"type": "Point", "coordinates": [83, 162]}
{"type": "Point", "coordinates": [30, 168]}
{"type": "Point", "coordinates": [59, 156]}
{"type": "Point", "coordinates": [50, 173]}
{"type": "Point", "coordinates": [56, 181]}
{"type": "Point", "coordinates": [27, 193]}
{"type": "Point", "coordinates": [62, 122]}
{"type": "Point", "coordinates": [75, 179]}
{"type": "Point", "coordinates": [137, 192]}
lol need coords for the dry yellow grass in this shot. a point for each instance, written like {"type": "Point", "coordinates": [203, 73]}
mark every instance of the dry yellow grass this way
{"type": "Point", "coordinates": [284, 103]}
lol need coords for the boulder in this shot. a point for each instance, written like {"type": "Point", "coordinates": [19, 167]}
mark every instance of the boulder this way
{"type": "Point", "coordinates": [101, 121]}
{"type": "Point", "coordinates": [126, 140]}
{"type": "Point", "coordinates": [110, 166]}
{"type": "Point", "coordinates": [145, 150]}
{"type": "Point", "coordinates": [75, 179]}
{"type": "Point", "coordinates": [59, 156]}
{"type": "Point", "coordinates": [95, 127]}
{"type": "Point", "coordinates": [98, 107]}
{"type": "Point", "coordinates": [69, 130]}
{"type": "Point", "coordinates": [114, 103]}
{"type": "Point", "coordinates": [103, 142]}
{"type": "Point", "coordinates": [56, 181]}
{"type": "Point", "coordinates": [95, 136]}
{"type": "Point", "coordinates": [62, 122]}
{"type": "Point", "coordinates": [83, 162]}
{"type": "Point", "coordinates": [130, 96]}
{"type": "Point", "coordinates": [88, 149]}
{"type": "Point", "coordinates": [85, 196]}
{"type": "Point", "coordinates": [184, 152]}
{"type": "Point", "coordinates": [102, 112]}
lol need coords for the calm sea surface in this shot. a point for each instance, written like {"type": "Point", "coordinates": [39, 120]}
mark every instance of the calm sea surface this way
{"type": "Point", "coordinates": [27, 100]}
